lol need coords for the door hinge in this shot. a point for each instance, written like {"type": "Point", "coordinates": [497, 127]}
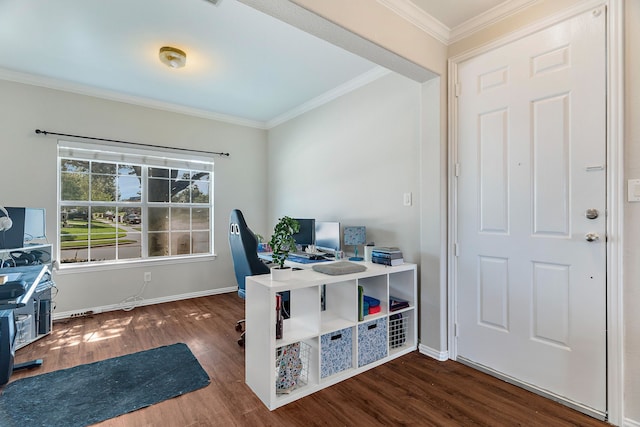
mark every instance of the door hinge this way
{"type": "Point", "coordinates": [456, 249]}
{"type": "Point", "coordinates": [457, 170]}
{"type": "Point", "coordinates": [455, 330]}
{"type": "Point", "coordinates": [458, 89]}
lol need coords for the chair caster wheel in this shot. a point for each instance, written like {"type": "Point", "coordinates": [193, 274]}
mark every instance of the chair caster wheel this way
{"type": "Point", "coordinates": [238, 327]}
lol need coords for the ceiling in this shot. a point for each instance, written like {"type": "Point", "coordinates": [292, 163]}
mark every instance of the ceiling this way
{"type": "Point", "coordinates": [242, 65]}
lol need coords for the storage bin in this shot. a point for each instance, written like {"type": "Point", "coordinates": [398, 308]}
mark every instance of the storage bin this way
{"type": "Point", "coordinates": [398, 329]}
{"type": "Point", "coordinates": [292, 367]}
{"type": "Point", "coordinates": [336, 352]}
{"type": "Point", "coordinates": [372, 341]}
{"type": "Point", "coordinates": [24, 327]}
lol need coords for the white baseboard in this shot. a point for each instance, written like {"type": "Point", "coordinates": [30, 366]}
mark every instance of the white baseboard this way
{"type": "Point", "coordinates": [630, 423]}
{"type": "Point", "coordinates": [143, 302]}
{"type": "Point", "coordinates": [435, 354]}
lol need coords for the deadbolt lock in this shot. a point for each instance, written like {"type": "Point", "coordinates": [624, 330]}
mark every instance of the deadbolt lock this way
{"type": "Point", "coordinates": [592, 213]}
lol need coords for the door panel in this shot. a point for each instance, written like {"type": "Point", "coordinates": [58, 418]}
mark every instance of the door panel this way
{"type": "Point", "coordinates": [530, 288]}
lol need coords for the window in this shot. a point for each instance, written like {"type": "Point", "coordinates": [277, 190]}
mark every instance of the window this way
{"type": "Point", "coordinates": [118, 203]}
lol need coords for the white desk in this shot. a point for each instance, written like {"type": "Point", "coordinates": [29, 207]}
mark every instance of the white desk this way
{"type": "Point", "coordinates": [314, 329]}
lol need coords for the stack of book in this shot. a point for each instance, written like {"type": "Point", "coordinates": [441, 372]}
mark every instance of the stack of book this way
{"type": "Point", "coordinates": [387, 255]}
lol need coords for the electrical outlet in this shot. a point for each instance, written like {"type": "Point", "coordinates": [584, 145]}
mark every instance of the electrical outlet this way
{"type": "Point", "coordinates": [147, 276]}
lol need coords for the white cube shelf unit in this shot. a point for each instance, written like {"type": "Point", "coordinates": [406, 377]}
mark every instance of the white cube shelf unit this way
{"type": "Point", "coordinates": [326, 335]}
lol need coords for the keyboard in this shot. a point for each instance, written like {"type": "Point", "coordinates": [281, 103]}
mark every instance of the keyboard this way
{"type": "Point", "coordinates": [302, 254]}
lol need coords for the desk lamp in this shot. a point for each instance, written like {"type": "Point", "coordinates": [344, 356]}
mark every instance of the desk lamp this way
{"type": "Point", "coordinates": [355, 236]}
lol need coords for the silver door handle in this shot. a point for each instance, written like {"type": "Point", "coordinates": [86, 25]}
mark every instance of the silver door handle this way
{"type": "Point", "coordinates": [591, 237]}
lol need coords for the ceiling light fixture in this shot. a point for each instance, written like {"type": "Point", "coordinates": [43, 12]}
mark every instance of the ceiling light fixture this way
{"type": "Point", "coordinates": [173, 57]}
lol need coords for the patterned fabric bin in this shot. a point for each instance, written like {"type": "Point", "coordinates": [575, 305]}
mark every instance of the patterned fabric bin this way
{"type": "Point", "coordinates": [336, 352]}
{"type": "Point", "coordinates": [372, 341]}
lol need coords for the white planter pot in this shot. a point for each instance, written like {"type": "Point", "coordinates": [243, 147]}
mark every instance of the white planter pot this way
{"type": "Point", "coordinates": [281, 274]}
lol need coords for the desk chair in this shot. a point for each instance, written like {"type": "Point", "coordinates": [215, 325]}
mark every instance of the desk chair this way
{"type": "Point", "coordinates": [244, 251]}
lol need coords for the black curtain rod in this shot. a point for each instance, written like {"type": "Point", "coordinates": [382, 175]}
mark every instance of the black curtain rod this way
{"type": "Point", "coordinates": [44, 132]}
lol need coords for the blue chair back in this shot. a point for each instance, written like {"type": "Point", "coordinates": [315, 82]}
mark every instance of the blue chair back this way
{"type": "Point", "coordinates": [244, 250]}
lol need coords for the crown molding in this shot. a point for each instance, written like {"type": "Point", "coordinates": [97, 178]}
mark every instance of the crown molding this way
{"type": "Point", "coordinates": [326, 97]}
{"type": "Point", "coordinates": [80, 89]}
{"type": "Point", "coordinates": [488, 18]}
{"type": "Point", "coordinates": [65, 86]}
{"type": "Point", "coordinates": [576, 9]}
{"type": "Point", "coordinates": [407, 10]}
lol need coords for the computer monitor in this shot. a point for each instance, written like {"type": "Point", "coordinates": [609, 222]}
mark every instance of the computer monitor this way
{"type": "Point", "coordinates": [14, 237]}
{"type": "Point", "coordinates": [328, 236]}
{"type": "Point", "coordinates": [307, 234]}
{"type": "Point", "coordinates": [28, 224]}
{"type": "Point", "coordinates": [35, 224]}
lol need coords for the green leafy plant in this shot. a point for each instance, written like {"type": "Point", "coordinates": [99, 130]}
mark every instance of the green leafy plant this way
{"type": "Point", "coordinates": [282, 241]}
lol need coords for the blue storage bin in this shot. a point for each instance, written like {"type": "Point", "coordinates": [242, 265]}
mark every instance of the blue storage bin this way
{"type": "Point", "coordinates": [336, 352]}
{"type": "Point", "coordinates": [372, 341]}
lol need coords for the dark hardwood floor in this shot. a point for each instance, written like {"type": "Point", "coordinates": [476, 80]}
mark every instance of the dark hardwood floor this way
{"type": "Point", "coordinates": [412, 390]}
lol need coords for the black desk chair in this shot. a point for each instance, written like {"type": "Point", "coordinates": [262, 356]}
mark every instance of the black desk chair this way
{"type": "Point", "coordinates": [244, 251]}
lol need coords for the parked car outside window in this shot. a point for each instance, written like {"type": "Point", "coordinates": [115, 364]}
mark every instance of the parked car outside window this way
{"type": "Point", "coordinates": [132, 219]}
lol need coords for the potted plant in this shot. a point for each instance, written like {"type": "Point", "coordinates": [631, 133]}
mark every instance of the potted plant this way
{"type": "Point", "coordinates": [281, 243]}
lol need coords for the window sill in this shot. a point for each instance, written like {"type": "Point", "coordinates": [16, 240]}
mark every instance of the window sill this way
{"type": "Point", "coordinates": [121, 265]}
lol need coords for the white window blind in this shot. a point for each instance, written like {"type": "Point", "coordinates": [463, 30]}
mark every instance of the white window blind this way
{"type": "Point", "coordinates": [123, 153]}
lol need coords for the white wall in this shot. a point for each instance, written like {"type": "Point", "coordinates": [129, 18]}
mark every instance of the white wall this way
{"type": "Point", "coordinates": [351, 161]}
{"type": "Point", "coordinates": [631, 276]}
{"type": "Point", "coordinates": [433, 225]}
{"type": "Point", "coordinates": [28, 170]}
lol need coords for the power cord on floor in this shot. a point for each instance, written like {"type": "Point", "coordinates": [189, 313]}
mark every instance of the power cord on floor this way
{"type": "Point", "coordinates": [133, 301]}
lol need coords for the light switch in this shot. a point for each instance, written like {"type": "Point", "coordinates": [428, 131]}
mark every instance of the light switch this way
{"type": "Point", "coordinates": [407, 199]}
{"type": "Point", "coordinates": [633, 190]}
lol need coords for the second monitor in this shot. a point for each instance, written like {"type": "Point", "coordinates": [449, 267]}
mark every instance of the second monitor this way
{"type": "Point", "coordinates": [328, 236]}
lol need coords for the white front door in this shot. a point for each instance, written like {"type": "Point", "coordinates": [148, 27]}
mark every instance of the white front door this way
{"type": "Point", "coordinates": [530, 226]}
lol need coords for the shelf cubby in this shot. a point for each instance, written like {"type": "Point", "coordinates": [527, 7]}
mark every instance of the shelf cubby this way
{"type": "Point", "coordinates": [376, 287]}
{"type": "Point", "coordinates": [401, 330]}
{"type": "Point", "coordinates": [340, 298]}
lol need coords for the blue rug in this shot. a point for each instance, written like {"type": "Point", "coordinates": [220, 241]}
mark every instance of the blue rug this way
{"type": "Point", "coordinates": [88, 394]}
